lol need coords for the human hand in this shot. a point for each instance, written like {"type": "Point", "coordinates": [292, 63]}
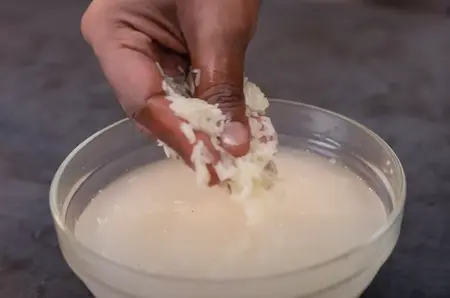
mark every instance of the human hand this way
{"type": "Point", "coordinates": [130, 36]}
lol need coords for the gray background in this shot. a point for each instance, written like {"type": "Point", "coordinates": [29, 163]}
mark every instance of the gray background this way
{"type": "Point", "coordinates": [389, 70]}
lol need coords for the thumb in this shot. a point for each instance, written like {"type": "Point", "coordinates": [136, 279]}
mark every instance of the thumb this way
{"type": "Point", "coordinates": [220, 81]}
{"type": "Point", "coordinates": [217, 35]}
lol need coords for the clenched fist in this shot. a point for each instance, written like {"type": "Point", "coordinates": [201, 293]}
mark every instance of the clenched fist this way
{"type": "Point", "coordinates": [130, 37]}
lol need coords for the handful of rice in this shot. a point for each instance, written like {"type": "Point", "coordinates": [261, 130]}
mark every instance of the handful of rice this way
{"type": "Point", "coordinates": [245, 175]}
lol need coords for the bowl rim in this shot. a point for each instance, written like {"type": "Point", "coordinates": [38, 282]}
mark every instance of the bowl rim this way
{"type": "Point", "coordinates": [391, 219]}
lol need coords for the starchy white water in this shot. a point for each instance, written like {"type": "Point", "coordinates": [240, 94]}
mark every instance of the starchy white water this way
{"type": "Point", "coordinates": [158, 220]}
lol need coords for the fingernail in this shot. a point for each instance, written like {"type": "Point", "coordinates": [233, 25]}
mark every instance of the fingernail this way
{"type": "Point", "coordinates": [236, 139]}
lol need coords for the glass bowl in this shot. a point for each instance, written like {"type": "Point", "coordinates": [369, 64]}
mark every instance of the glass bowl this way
{"type": "Point", "coordinates": [111, 152]}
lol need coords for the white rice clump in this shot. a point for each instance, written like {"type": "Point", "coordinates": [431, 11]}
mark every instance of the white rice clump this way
{"type": "Point", "coordinates": [243, 175]}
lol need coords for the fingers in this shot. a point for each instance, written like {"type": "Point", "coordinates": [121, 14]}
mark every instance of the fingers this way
{"type": "Point", "coordinates": [127, 58]}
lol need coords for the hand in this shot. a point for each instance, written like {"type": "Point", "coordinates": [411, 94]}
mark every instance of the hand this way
{"type": "Point", "coordinates": [130, 36]}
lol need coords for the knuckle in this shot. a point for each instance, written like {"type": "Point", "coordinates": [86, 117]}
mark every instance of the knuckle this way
{"type": "Point", "coordinates": [223, 95]}
{"type": "Point", "coordinates": [88, 22]}
{"type": "Point", "coordinates": [93, 20]}
{"type": "Point", "coordinates": [230, 100]}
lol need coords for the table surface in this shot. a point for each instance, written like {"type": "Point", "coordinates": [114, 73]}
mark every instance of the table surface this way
{"type": "Point", "coordinates": [387, 70]}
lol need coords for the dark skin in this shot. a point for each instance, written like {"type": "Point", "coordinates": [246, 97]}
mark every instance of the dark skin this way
{"type": "Point", "coordinates": [130, 36]}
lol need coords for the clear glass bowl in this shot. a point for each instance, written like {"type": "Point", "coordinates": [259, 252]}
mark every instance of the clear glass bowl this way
{"type": "Point", "coordinates": [118, 148]}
